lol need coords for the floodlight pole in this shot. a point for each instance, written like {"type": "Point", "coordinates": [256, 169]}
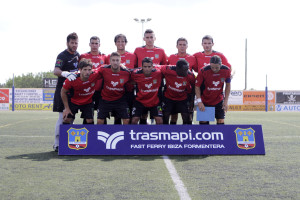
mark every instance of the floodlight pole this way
{"type": "Point", "coordinates": [142, 21]}
{"type": "Point", "coordinates": [266, 94]}
{"type": "Point", "coordinates": [13, 94]}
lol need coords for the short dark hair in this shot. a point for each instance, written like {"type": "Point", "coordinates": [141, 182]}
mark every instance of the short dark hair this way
{"type": "Point", "coordinates": [95, 38]}
{"type": "Point", "coordinates": [115, 54]}
{"type": "Point", "coordinates": [182, 39]}
{"type": "Point", "coordinates": [216, 60]}
{"type": "Point", "coordinates": [147, 60]}
{"type": "Point", "coordinates": [208, 37]}
{"type": "Point", "coordinates": [182, 67]}
{"type": "Point", "coordinates": [84, 63]}
{"type": "Point", "coordinates": [119, 36]}
{"type": "Point", "coordinates": [72, 36]}
{"type": "Point", "coordinates": [148, 31]}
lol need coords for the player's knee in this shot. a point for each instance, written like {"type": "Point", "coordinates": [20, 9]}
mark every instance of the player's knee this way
{"type": "Point", "coordinates": [204, 122]}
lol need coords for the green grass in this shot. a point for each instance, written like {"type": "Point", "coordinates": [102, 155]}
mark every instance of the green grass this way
{"type": "Point", "coordinates": [29, 169]}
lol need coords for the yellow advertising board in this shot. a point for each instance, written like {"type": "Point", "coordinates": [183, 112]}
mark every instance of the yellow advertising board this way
{"type": "Point", "coordinates": [250, 108]}
{"type": "Point", "coordinates": [32, 106]}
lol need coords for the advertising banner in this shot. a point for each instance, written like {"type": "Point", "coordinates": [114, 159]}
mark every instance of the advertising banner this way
{"type": "Point", "coordinates": [161, 140]}
{"type": "Point", "coordinates": [32, 106]}
{"type": "Point", "coordinates": [288, 97]}
{"type": "Point", "coordinates": [4, 96]}
{"type": "Point", "coordinates": [250, 108]}
{"type": "Point", "coordinates": [49, 82]}
{"type": "Point", "coordinates": [258, 97]}
{"type": "Point", "coordinates": [235, 98]}
{"type": "Point", "coordinates": [28, 95]}
{"type": "Point", "coordinates": [48, 94]}
{"type": "Point", "coordinates": [287, 108]}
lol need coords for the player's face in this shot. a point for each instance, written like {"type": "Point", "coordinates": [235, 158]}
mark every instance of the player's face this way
{"type": "Point", "coordinates": [147, 69]}
{"type": "Point", "coordinates": [85, 72]}
{"type": "Point", "coordinates": [120, 43]}
{"type": "Point", "coordinates": [149, 38]}
{"type": "Point", "coordinates": [94, 44]}
{"type": "Point", "coordinates": [182, 46]}
{"type": "Point", "coordinates": [207, 45]}
{"type": "Point", "coordinates": [72, 45]}
{"type": "Point", "coordinates": [215, 67]}
{"type": "Point", "coordinates": [115, 62]}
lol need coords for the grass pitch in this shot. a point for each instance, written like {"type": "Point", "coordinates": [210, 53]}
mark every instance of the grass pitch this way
{"type": "Point", "coordinates": [29, 169]}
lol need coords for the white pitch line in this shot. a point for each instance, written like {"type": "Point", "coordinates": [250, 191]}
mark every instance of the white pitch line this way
{"type": "Point", "coordinates": [182, 191]}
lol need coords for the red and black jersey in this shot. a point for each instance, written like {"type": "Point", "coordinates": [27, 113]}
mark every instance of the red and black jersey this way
{"type": "Point", "coordinates": [211, 84]}
{"type": "Point", "coordinates": [172, 60]}
{"type": "Point", "coordinates": [83, 90]}
{"type": "Point", "coordinates": [157, 55]}
{"type": "Point", "coordinates": [113, 83]}
{"type": "Point", "coordinates": [204, 60]}
{"type": "Point", "coordinates": [98, 61]}
{"type": "Point", "coordinates": [177, 87]}
{"type": "Point", "coordinates": [148, 88]}
{"type": "Point", "coordinates": [127, 59]}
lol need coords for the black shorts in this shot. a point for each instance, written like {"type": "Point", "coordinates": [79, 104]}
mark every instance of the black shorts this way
{"type": "Point", "coordinates": [219, 112]}
{"type": "Point", "coordinates": [118, 107]}
{"type": "Point", "coordinates": [139, 109]}
{"type": "Point", "coordinates": [96, 99]}
{"type": "Point", "coordinates": [87, 110]}
{"type": "Point", "coordinates": [174, 107]}
{"type": "Point", "coordinates": [58, 105]}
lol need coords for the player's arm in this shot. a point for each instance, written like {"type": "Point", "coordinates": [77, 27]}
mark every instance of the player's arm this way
{"type": "Point", "coordinates": [227, 92]}
{"type": "Point", "coordinates": [198, 99]}
{"type": "Point", "coordinates": [64, 98]}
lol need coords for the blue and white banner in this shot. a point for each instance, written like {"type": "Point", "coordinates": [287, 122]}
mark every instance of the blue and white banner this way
{"type": "Point", "coordinates": [161, 140]}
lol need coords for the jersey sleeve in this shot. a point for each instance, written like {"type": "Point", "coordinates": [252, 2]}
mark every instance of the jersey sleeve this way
{"type": "Point", "coordinates": [67, 85]}
{"type": "Point", "coordinates": [164, 60]}
{"type": "Point", "coordinates": [225, 61]}
{"type": "Point", "coordinates": [59, 61]}
{"type": "Point", "coordinates": [199, 79]}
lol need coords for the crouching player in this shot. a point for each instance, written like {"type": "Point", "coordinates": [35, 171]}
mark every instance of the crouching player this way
{"type": "Point", "coordinates": [83, 88]}
{"type": "Point", "coordinates": [179, 84]}
{"type": "Point", "coordinates": [209, 88]}
{"type": "Point", "coordinates": [148, 80]}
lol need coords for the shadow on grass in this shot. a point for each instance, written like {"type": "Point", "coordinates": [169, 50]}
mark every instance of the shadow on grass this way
{"type": "Point", "coordinates": [46, 156]}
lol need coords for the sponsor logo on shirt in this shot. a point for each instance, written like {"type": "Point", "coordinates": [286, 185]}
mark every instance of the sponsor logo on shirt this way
{"type": "Point", "coordinates": [156, 56]}
{"type": "Point", "coordinates": [114, 83]}
{"type": "Point", "coordinates": [178, 84]}
{"type": "Point", "coordinates": [148, 85]}
{"type": "Point", "coordinates": [216, 83]}
{"type": "Point", "coordinates": [58, 63]}
{"type": "Point", "coordinates": [87, 89]}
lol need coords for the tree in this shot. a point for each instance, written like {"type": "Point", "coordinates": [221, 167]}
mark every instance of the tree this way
{"type": "Point", "coordinates": [29, 80]}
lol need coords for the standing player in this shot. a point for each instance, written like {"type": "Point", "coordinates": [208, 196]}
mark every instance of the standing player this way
{"type": "Point", "coordinates": [83, 89]}
{"type": "Point", "coordinates": [148, 80]}
{"type": "Point", "coordinates": [128, 60]}
{"type": "Point", "coordinates": [203, 58]}
{"type": "Point", "coordinates": [66, 63]}
{"type": "Point", "coordinates": [157, 55]}
{"type": "Point", "coordinates": [115, 78]}
{"type": "Point", "coordinates": [98, 59]}
{"type": "Point", "coordinates": [179, 83]}
{"type": "Point", "coordinates": [209, 88]}
{"type": "Point", "coordinates": [182, 45]}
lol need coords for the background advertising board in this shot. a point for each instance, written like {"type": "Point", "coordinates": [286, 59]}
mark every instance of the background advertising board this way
{"type": "Point", "coordinates": [4, 95]}
{"type": "Point", "coordinates": [287, 107]}
{"type": "Point", "coordinates": [235, 97]}
{"type": "Point", "coordinates": [28, 95]}
{"type": "Point", "coordinates": [250, 108]}
{"type": "Point", "coordinates": [258, 97]}
{"type": "Point", "coordinates": [48, 94]}
{"type": "Point", "coordinates": [161, 140]}
{"type": "Point", "coordinates": [288, 97]}
{"type": "Point", "coordinates": [49, 82]}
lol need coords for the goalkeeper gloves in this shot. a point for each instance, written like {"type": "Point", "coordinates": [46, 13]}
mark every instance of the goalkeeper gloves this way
{"type": "Point", "coordinates": [69, 76]}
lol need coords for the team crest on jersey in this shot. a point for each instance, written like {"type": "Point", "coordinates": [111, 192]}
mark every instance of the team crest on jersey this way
{"type": "Point", "coordinates": [184, 83]}
{"type": "Point", "coordinates": [154, 81]}
{"type": "Point", "coordinates": [77, 138]}
{"type": "Point", "coordinates": [222, 80]}
{"type": "Point", "coordinates": [101, 62]}
{"type": "Point", "coordinates": [92, 84]}
{"type": "Point", "coordinates": [156, 56]}
{"type": "Point", "coordinates": [127, 61]}
{"type": "Point", "coordinates": [245, 138]}
{"type": "Point", "coordinates": [58, 63]}
{"type": "Point", "coordinates": [121, 80]}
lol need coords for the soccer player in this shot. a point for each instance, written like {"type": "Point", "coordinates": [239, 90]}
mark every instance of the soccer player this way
{"type": "Point", "coordinates": [128, 60]}
{"type": "Point", "coordinates": [83, 89]}
{"type": "Point", "coordinates": [148, 80]}
{"type": "Point", "coordinates": [157, 55]}
{"type": "Point", "coordinates": [209, 88]}
{"type": "Point", "coordinates": [66, 63]}
{"type": "Point", "coordinates": [98, 59]}
{"type": "Point", "coordinates": [115, 78]}
{"type": "Point", "coordinates": [179, 83]}
{"type": "Point", "coordinates": [203, 58]}
{"type": "Point", "coordinates": [182, 45]}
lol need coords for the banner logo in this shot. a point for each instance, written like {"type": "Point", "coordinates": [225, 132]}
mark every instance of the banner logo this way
{"type": "Point", "coordinates": [111, 140]}
{"type": "Point", "coordinates": [245, 138]}
{"type": "Point", "coordinates": [77, 138]}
